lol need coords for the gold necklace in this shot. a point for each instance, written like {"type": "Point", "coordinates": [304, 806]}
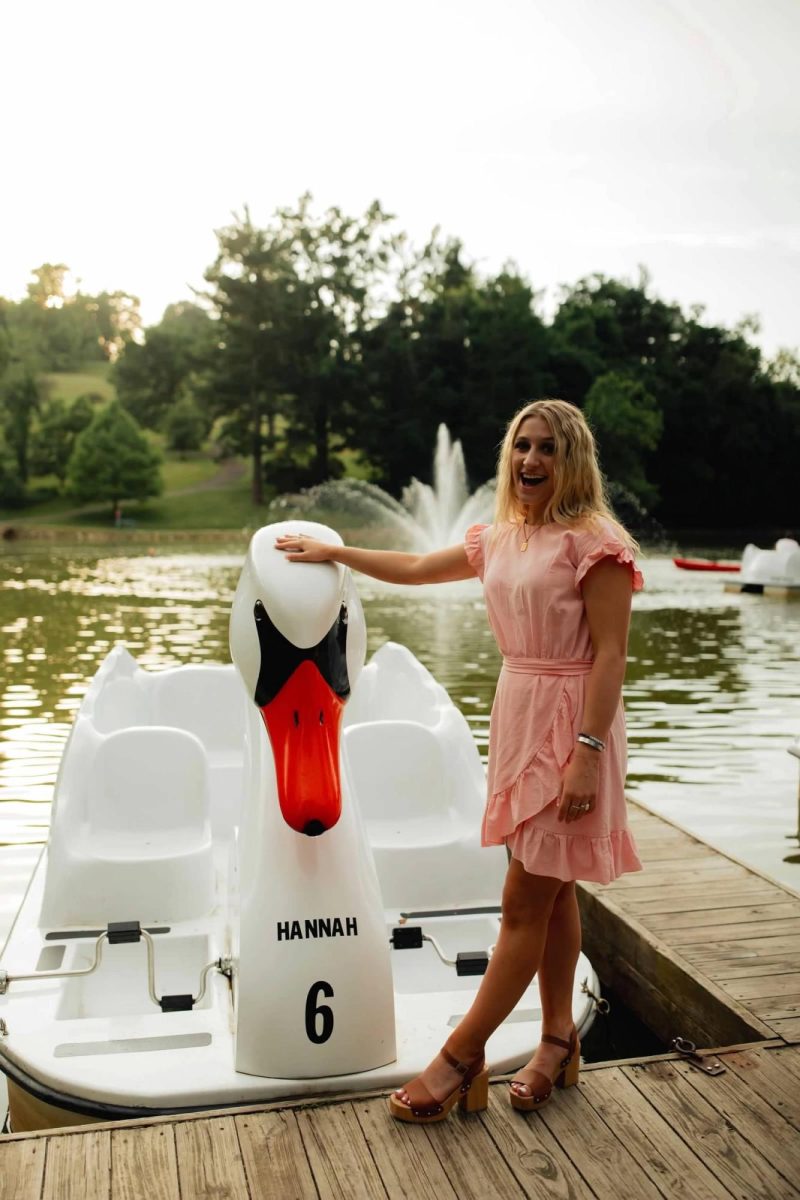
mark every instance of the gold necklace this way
{"type": "Point", "coordinates": [524, 545]}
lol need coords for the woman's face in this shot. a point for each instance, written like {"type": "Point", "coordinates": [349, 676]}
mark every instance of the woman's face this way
{"type": "Point", "coordinates": [533, 465]}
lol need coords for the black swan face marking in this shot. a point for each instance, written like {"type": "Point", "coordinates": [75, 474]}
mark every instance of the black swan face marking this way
{"type": "Point", "coordinates": [280, 657]}
{"type": "Point", "coordinates": [301, 694]}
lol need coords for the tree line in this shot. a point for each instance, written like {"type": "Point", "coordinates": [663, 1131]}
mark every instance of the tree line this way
{"type": "Point", "coordinates": [327, 343]}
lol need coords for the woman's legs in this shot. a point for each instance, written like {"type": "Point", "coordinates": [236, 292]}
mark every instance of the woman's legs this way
{"type": "Point", "coordinates": [527, 905]}
{"type": "Point", "coordinates": [557, 970]}
{"type": "Point", "coordinates": [556, 978]}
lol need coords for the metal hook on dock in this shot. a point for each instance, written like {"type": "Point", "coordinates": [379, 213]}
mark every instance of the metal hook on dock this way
{"type": "Point", "coordinates": [688, 1050]}
{"type": "Point", "coordinates": [600, 1003]}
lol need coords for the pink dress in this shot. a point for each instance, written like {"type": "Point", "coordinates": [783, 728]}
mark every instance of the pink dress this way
{"type": "Point", "coordinates": [536, 613]}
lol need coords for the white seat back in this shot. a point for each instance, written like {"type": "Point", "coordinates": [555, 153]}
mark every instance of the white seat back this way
{"type": "Point", "coordinates": [150, 781]}
{"type": "Point", "coordinates": [124, 703]}
{"type": "Point", "coordinates": [398, 771]}
{"type": "Point", "coordinates": [208, 701]}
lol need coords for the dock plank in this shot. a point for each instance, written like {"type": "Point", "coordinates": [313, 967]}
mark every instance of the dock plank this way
{"type": "Point", "coordinates": [757, 1121]}
{"type": "Point", "coordinates": [788, 1028]}
{"type": "Point", "coordinates": [407, 1162]}
{"type": "Point", "coordinates": [469, 1156]}
{"type": "Point", "coordinates": [766, 985]}
{"type": "Point", "coordinates": [762, 1071]}
{"type": "Point", "coordinates": [670, 1163]}
{"type": "Point", "coordinates": [775, 1008]}
{"type": "Point", "coordinates": [747, 920]}
{"type": "Point", "coordinates": [144, 1164]}
{"type": "Point", "coordinates": [539, 1164]}
{"type": "Point", "coordinates": [338, 1154]}
{"type": "Point", "coordinates": [703, 1123]}
{"type": "Point", "coordinates": [21, 1169]}
{"type": "Point", "coordinates": [78, 1167]}
{"type": "Point", "coordinates": [602, 1158]}
{"type": "Point", "coordinates": [676, 872]}
{"type": "Point", "coordinates": [209, 1160]}
{"type": "Point", "coordinates": [740, 950]}
{"type": "Point", "coordinates": [789, 1058]}
{"type": "Point", "coordinates": [274, 1157]}
{"type": "Point", "coordinates": [696, 901]}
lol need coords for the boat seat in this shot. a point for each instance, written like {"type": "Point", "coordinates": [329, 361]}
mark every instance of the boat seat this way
{"type": "Point", "coordinates": [208, 701]}
{"type": "Point", "coordinates": [124, 703]}
{"type": "Point", "coordinates": [421, 799]}
{"type": "Point", "coordinates": [143, 849]}
{"type": "Point", "coordinates": [399, 776]}
{"type": "Point", "coordinates": [398, 687]}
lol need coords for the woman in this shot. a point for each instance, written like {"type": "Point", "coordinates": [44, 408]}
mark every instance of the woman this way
{"type": "Point", "coordinates": [558, 573]}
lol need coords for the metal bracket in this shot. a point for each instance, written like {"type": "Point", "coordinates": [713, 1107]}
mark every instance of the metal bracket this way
{"type": "Point", "coordinates": [710, 1065]}
{"type": "Point", "coordinates": [122, 932]}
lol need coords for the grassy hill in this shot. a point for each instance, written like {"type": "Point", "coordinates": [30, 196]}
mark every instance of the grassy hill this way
{"type": "Point", "coordinates": [93, 379]}
{"type": "Point", "coordinates": [199, 492]}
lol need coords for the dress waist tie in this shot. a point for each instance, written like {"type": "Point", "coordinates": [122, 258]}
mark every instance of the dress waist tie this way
{"type": "Point", "coordinates": [548, 666]}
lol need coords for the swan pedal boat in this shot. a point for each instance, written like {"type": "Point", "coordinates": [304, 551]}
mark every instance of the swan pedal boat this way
{"type": "Point", "coordinates": [263, 880]}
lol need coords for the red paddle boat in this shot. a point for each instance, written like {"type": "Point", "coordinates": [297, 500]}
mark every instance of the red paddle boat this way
{"type": "Point", "coordinates": [704, 564]}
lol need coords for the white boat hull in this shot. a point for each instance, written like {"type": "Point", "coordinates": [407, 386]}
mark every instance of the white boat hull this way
{"type": "Point", "coordinates": [175, 810]}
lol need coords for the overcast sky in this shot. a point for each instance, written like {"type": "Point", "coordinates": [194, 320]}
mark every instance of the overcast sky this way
{"type": "Point", "coordinates": [571, 136]}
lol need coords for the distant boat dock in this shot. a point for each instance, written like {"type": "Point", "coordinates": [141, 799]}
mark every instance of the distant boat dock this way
{"type": "Point", "coordinates": [699, 945]}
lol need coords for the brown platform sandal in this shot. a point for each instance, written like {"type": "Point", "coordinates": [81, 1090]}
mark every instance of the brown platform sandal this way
{"type": "Point", "coordinates": [540, 1085]}
{"type": "Point", "coordinates": [472, 1094]}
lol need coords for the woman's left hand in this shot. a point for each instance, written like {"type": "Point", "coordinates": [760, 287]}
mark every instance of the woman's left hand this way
{"type": "Point", "coordinates": [579, 785]}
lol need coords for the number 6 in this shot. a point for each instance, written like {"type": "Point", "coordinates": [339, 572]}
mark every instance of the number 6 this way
{"type": "Point", "coordinates": [314, 1010]}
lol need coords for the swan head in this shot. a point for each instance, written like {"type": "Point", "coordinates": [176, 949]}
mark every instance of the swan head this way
{"type": "Point", "coordinates": [298, 639]}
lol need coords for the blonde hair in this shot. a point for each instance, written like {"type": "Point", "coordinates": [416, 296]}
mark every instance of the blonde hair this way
{"type": "Point", "coordinates": [579, 492]}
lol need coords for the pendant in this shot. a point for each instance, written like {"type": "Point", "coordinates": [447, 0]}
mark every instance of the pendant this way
{"type": "Point", "coordinates": [523, 547]}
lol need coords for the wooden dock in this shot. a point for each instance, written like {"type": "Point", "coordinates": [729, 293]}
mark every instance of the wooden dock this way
{"type": "Point", "coordinates": [699, 944]}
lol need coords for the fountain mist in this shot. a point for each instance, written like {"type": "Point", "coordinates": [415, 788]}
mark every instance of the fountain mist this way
{"type": "Point", "coordinates": [427, 518]}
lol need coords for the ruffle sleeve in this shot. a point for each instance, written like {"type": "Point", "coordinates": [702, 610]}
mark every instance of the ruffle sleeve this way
{"type": "Point", "coordinates": [608, 545]}
{"type": "Point", "coordinates": [474, 548]}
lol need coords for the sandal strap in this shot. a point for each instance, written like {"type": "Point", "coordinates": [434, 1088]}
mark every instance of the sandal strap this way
{"type": "Point", "coordinates": [462, 1068]}
{"type": "Point", "coordinates": [557, 1041]}
{"type": "Point", "coordinates": [539, 1083]}
{"type": "Point", "coordinates": [420, 1100]}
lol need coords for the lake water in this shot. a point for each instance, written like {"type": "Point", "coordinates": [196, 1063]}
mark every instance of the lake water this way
{"type": "Point", "coordinates": [712, 692]}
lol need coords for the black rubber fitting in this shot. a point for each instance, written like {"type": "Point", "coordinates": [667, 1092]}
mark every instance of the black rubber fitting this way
{"type": "Point", "coordinates": [471, 962]}
{"type": "Point", "coordinates": [177, 1003]}
{"type": "Point", "coordinates": [123, 931]}
{"type": "Point", "coordinates": [407, 937]}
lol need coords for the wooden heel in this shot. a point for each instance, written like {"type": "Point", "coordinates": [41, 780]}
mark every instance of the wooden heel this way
{"type": "Point", "coordinates": [476, 1099]}
{"type": "Point", "coordinates": [572, 1070]}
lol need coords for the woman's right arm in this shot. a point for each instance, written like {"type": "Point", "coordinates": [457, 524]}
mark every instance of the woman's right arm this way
{"type": "Point", "coordinates": [391, 566]}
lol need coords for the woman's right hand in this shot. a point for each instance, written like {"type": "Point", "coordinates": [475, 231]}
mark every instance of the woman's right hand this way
{"type": "Point", "coordinates": [299, 547]}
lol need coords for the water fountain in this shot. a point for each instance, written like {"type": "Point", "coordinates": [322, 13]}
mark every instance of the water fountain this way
{"type": "Point", "coordinates": [425, 518]}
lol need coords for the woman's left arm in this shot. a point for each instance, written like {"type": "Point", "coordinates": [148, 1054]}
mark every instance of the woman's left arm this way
{"type": "Point", "coordinates": [607, 599]}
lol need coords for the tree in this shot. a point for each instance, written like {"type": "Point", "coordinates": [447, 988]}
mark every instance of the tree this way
{"type": "Point", "coordinates": [456, 349]}
{"type": "Point", "coordinates": [54, 439]}
{"type": "Point", "coordinates": [185, 425]}
{"type": "Point", "coordinates": [12, 489]}
{"type": "Point", "coordinates": [293, 302]}
{"type": "Point", "coordinates": [20, 398]}
{"type": "Point", "coordinates": [150, 376]}
{"type": "Point", "coordinates": [627, 422]}
{"type": "Point", "coordinates": [47, 290]}
{"type": "Point", "coordinates": [112, 460]}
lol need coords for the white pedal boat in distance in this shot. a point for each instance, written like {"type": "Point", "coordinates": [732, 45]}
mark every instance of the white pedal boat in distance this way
{"type": "Point", "coordinates": [263, 880]}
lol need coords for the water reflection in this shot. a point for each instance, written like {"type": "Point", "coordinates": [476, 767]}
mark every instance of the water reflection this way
{"type": "Point", "coordinates": [713, 690]}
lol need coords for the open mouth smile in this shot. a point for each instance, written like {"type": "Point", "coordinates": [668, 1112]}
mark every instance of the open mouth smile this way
{"type": "Point", "coordinates": [532, 480]}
